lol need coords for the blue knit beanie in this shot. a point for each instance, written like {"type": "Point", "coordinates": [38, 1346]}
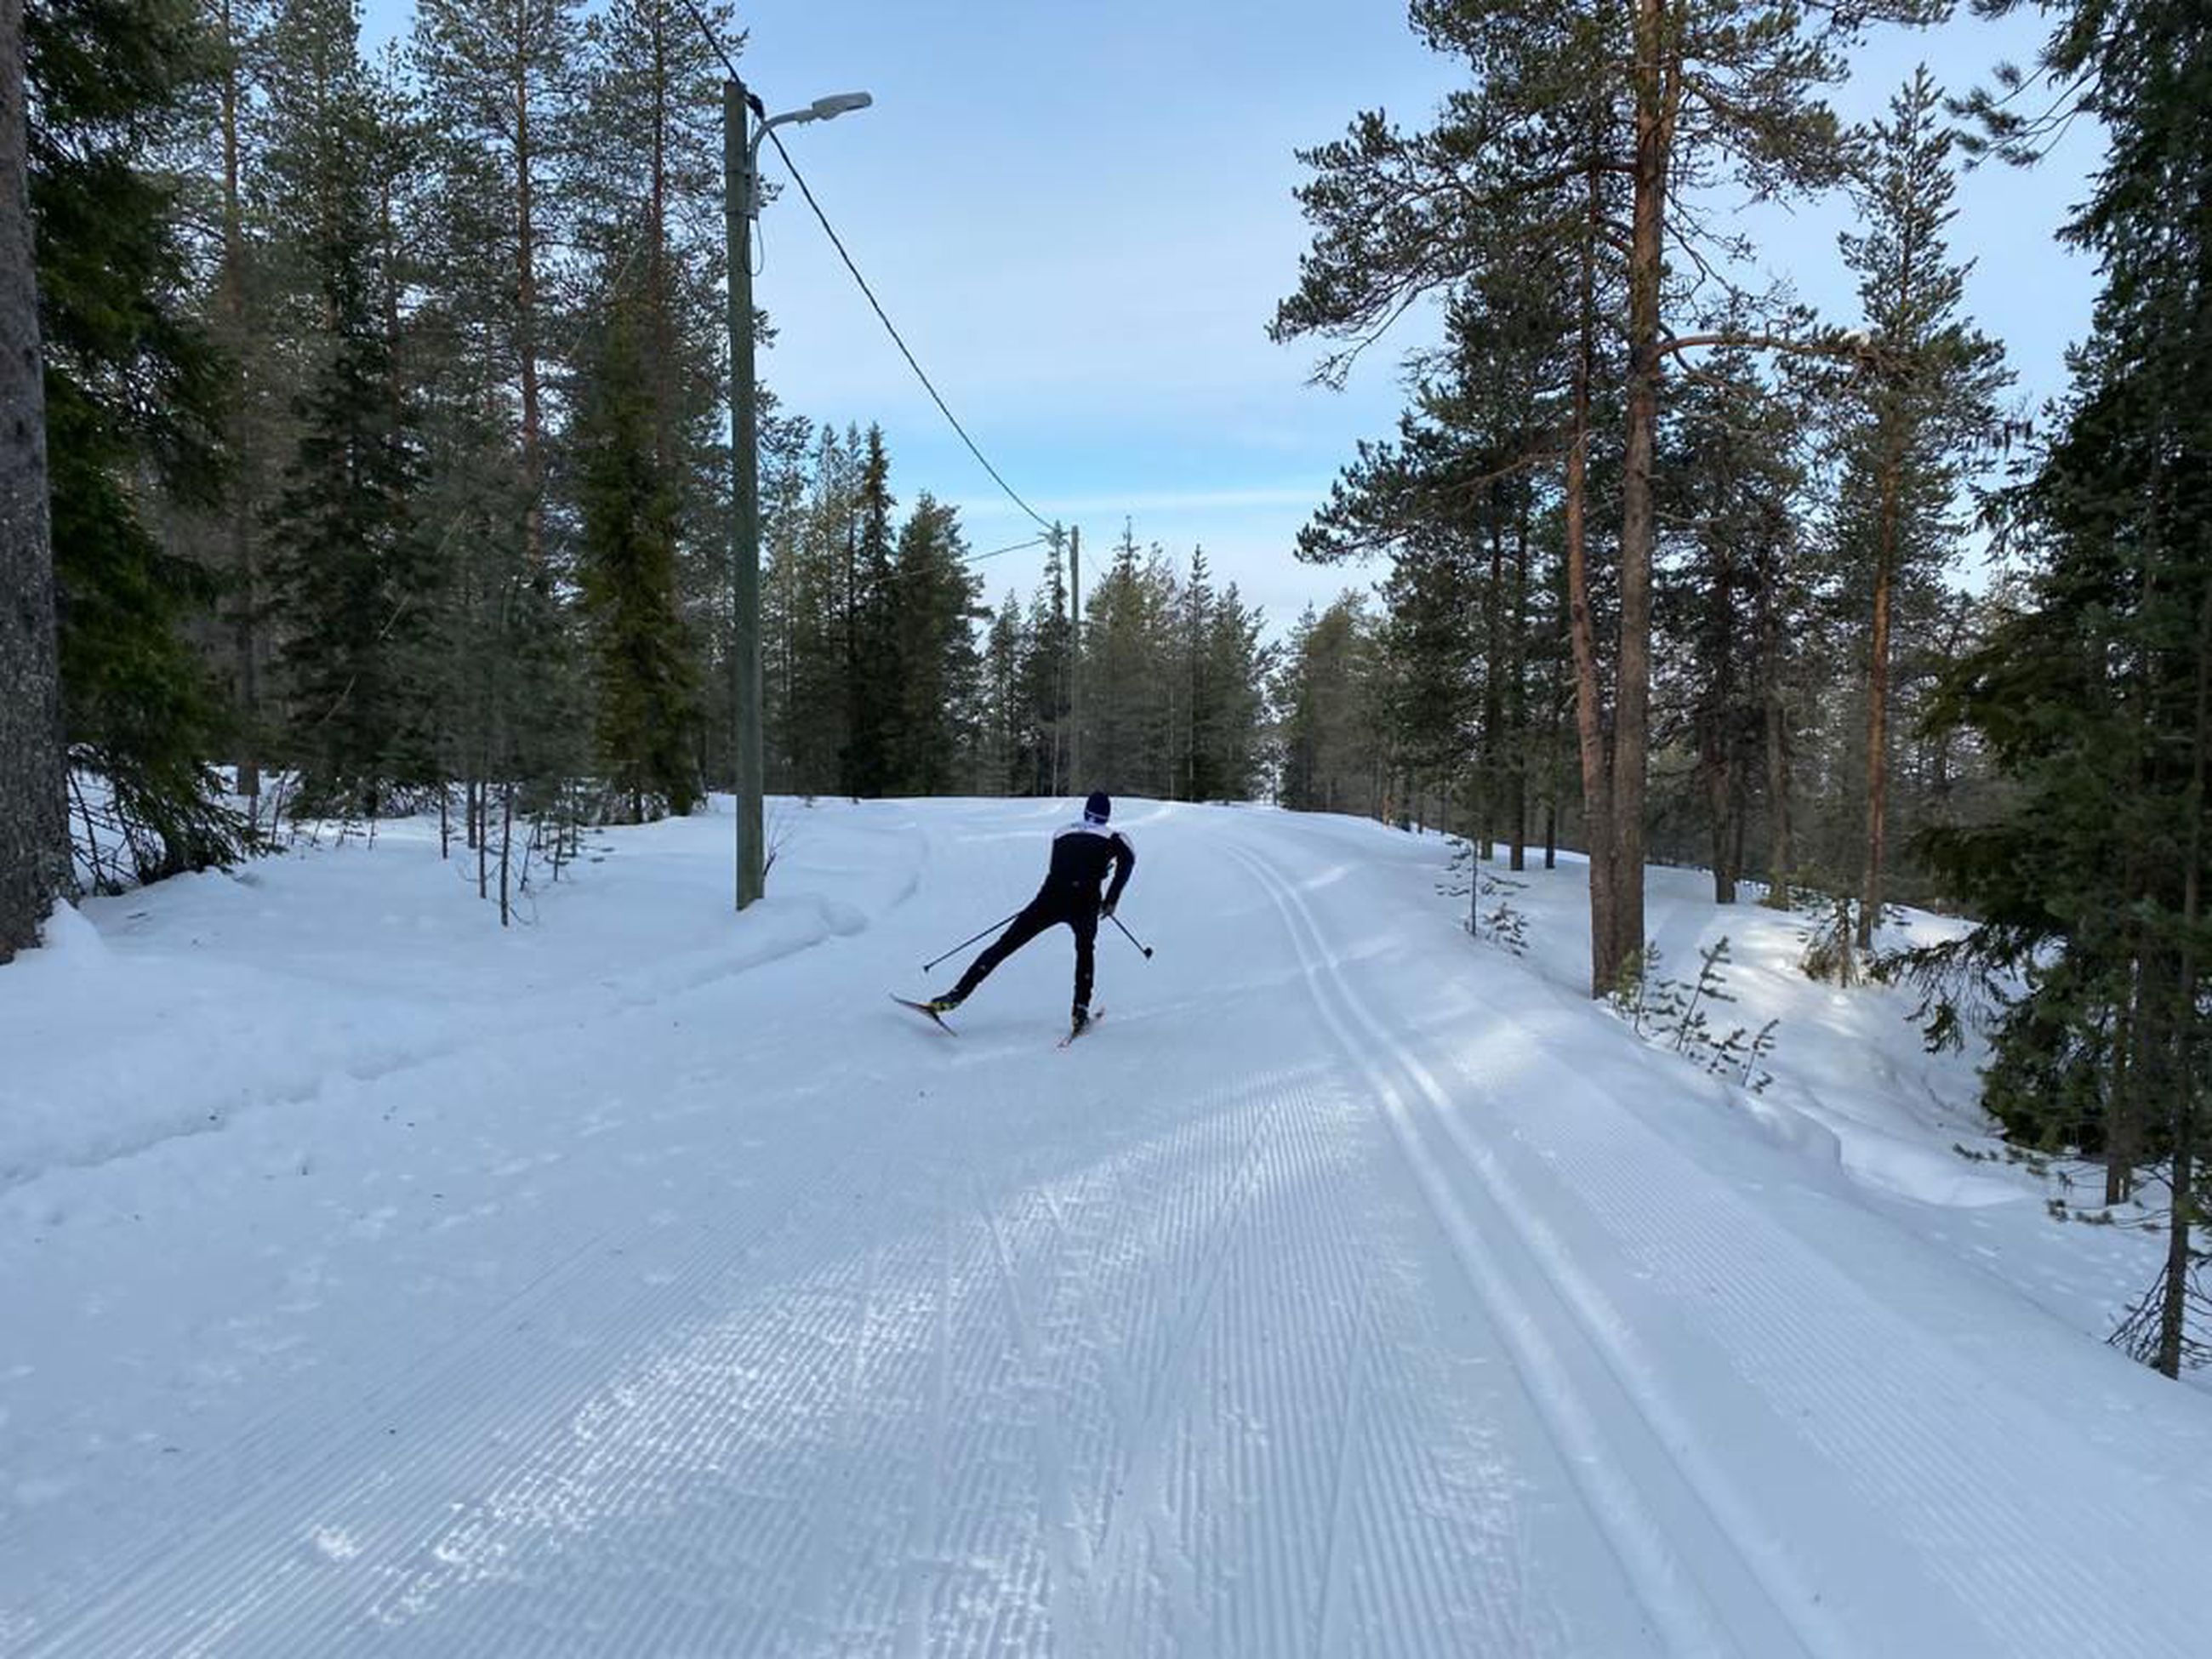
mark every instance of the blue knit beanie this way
{"type": "Point", "coordinates": [1097, 809]}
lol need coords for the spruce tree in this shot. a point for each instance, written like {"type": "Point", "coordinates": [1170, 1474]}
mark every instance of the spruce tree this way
{"type": "Point", "coordinates": [937, 671]}
{"type": "Point", "coordinates": [872, 695]}
{"type": "Point", "coordinates": [2095, 699]}
{"type": "Point", "coordinates": [998, 754]}
{"type": "Point", "coordinates": [1047, 680]}
{"type": "Point", "coordinates": [1129, 700]}
{"type": "Point", "coordinates": [1236, 671]}
{"type": "Point", "coordinates": [1333, 757]}
{"type": "Point", "coordinates": [352, 559]}
{"type": "Point", "coordinates": [133, 393]}
{"type": "Point", "coordinates": [806, 589]}
{"type": "Point", "coordinates": [645, 679]}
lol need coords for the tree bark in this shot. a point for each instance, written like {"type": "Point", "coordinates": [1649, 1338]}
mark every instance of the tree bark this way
{"type": "Point", "coordinates": [1870, 897]}
{"type": "Point", "coordinates": [33, 813]}
{"type": "Point", "coordinates": [1589, 714]}
{"type": "Point", "coordinates": [2173, 1312]}
{"type": "Point", "coordinates": [230, 299]}
{"type": "Point", "coordinates": [1656, 78]}
{"type": "Point", "coordinates": [526, 320]}
{"type": "Point", "coordinates": [1775, 707]}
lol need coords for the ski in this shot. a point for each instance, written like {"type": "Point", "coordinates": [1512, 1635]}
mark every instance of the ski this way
{"type": "Point", "coordinates": [1097, 1014]}
{"type": "Point", "coordinates": [924, 1009]}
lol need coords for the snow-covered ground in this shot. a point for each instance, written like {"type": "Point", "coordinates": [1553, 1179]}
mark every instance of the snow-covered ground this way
{"type": "Point", "coordinates": [642, 1281]}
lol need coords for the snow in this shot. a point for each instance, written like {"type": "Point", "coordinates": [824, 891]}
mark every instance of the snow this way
{"type": "Point", "coordinates": [640, 1280]}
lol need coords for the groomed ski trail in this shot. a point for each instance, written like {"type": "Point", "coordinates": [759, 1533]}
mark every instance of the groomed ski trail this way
{"type": "Point", "coordinates": [1712, 1370]}
{"type": "Point", "coordinates": [1325, 1310]}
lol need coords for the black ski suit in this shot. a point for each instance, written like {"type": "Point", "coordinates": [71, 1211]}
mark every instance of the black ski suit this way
{"type": "Point", "coordinates": [1081, 854]}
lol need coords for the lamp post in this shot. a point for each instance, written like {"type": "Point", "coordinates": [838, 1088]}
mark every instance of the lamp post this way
{"type": "Point", "coordinates": [741, 205]}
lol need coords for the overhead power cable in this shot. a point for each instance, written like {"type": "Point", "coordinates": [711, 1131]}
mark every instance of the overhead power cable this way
{"type": "Point", "coordinates": [1034, 541]}
{"type": "Point", "coordinates": [829, 230]}
{"type": "Point", "coordinates": [874, 304]}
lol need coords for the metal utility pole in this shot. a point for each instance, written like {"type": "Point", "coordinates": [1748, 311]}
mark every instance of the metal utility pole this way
{"type": "Point", "coordinates": [741, 205]}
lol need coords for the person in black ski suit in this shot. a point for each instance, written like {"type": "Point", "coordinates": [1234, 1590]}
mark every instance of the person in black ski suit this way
{"type": "Point", "coordinates": [1081, 855]}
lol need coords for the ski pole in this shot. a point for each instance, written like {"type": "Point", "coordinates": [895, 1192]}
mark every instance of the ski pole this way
{"type": "Point", "coordinates": [1132, 937]}
{"type": "Point", "coordinates": [971, 939]}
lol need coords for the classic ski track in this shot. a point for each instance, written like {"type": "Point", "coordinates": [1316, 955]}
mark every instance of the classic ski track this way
{"type": "Point", "coordinates": [1924, 1488]}
{"type": "Point", "coordinates": [1646, 1527]}
{"type": "Point", "coordinates": [911, 1638]}
{"type": "Point", "coordinates": [1145, 1491]}
{"type": "Point", "coordinates": [1173, 1510]}
{"type": "Point", "coordinates": [1918, 1442]}
{"type": "Point", "coordinates": [1067, 1545]}
{"type": "Point", "coordinates": [175, 1601]}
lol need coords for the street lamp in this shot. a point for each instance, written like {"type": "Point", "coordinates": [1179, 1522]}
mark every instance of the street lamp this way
{"type": "Point", "coordinates": [741, 204]}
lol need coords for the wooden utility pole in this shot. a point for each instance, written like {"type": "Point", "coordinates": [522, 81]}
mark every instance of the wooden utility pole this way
{"type": "Point", "coordinates": [1075, 659]}
{"type": "Point", "coordinates": [744, 493]}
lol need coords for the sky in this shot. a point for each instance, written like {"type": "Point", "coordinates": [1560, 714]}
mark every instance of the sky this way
{"type": "Point", "coordinates": [1080, 218]}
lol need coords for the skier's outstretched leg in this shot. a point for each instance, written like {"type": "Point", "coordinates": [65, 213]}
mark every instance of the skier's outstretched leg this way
{"type": "Point", "coordinates": [1033, 921]}
{"type": "Point", "coordinates": [1085, 924]}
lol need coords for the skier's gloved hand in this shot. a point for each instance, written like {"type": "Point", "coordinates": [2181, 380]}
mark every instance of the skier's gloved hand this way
{"type": "Point", "coordinates": [1106, 911]}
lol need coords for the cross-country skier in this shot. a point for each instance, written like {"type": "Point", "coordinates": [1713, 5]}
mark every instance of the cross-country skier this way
{"type": "Point", "coordinates": [1081, 854]}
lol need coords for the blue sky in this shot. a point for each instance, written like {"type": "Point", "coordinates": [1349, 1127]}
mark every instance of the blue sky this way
{"type": "Point", "coordinates": [1080, 218]}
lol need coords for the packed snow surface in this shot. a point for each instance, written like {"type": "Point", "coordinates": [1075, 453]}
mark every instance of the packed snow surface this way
{"type": "Point", "coordinates": [640, 1280]}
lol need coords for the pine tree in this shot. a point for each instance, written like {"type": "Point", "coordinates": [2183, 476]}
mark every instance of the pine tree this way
{"type": "Point", "coordinates": [1732, 482]}
{"type": "Point", "coordinates": [1562, 172]}
{"type": "Point", "coordinates": [502, 76]}
{"type": "Point", "coordinates": [648, 190]}
{"type": "Point", "coordinates": [33, 829]}
{"type": "Point", "coordinates": [1926, 401]}
{"type": "Point", "coordinates": [237, 323]}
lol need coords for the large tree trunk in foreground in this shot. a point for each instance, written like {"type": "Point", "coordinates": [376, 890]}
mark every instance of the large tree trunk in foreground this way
{"type": "Point", "coordinates": [33, 821]}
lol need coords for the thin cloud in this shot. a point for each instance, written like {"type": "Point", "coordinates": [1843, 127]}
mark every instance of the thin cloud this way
{"type": "Point", "coordinates": [1074, 509]}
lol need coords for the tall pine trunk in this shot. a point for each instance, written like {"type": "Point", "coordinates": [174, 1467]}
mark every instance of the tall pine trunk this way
{"type": "Point", "coordinates": [1774, 709]}
{"type": "Point", "coordinates": [245, 555]}
{"type": "Point", "coordinates": [2173, 1310]}
{"type": "Point", "coordinates": [1877, 760]}
{"type": "Point", "coordinates": [1518, 803]}
{"type": "Point", "coordinates": [1598, 824]}
{"type": "Point", "coordinates": [33, 820]}
{"type": "Point", "coordinates": [1655, 77]}
{"type": "Point", "coordinates": [525, 300]}
{"type": "Point", "coordinates": [1717, 747]}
